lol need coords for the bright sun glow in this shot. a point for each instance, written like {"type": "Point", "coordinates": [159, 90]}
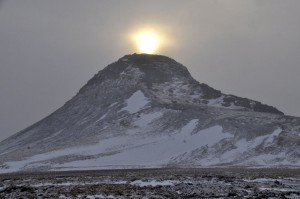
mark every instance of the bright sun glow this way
{"type": "Point", "coordinates": [147, 42]}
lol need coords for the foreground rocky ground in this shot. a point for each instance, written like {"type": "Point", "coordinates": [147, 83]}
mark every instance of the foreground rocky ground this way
{"type": "Point", "coordinates": [154, 183]}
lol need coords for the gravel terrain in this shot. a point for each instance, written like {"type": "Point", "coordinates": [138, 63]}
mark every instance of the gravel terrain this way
{"type": "Point", "coordinates": [154, 183]}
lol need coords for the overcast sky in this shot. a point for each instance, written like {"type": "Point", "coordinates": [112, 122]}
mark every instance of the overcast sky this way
{"type": "Point", "coordinates": [51, 48]}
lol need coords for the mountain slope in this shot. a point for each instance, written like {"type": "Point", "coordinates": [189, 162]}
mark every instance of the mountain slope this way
{"type": "Point", "coordinates": [147, 111]}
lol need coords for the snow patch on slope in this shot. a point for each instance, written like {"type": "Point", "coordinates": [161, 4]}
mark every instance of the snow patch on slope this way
{"type": "Point", "coordinates": [136, 102]}
{"type": "Point", "coordinates": [136, 150]}
{"type": "Point", "coordinates": [243, 145]}
{"type": "Point", "coordinates": [266, 159]}
{"type": "Point", "coordinates": [159, 150]}
{"type": "Point", "coordinates": [218, 102]}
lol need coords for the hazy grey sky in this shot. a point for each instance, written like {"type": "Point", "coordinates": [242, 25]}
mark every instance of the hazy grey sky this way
{"type": "Point", "coordinates": [50, 48]}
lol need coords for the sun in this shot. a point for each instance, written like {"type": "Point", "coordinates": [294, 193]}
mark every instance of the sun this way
{"type": "Point", "coordinates": [147, 41]}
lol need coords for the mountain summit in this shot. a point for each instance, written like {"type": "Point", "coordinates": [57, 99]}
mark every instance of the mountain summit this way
{"type": "Point", "coordinates": [165, 79]}
{"type": "Point", "coordinates": [147, 111]}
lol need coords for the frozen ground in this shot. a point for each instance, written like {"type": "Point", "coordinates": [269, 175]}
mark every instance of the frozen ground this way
{"type": "Point", "coordinates": [154, 183]}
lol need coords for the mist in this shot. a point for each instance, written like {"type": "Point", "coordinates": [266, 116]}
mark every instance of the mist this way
{"type": "Point", "coordinates": [50, 49]}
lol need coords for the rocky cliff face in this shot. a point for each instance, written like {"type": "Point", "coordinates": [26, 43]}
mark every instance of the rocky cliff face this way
{"type": "Point", "coordinates": [147, 111]}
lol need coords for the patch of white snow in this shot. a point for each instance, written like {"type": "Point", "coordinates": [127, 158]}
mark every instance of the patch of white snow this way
{"type": "Point", "coordinates": [136, 102]}
{"type": "Point", "coordinates": [154, 183]}
{"type": "Point", "coordinates": [100, 196]}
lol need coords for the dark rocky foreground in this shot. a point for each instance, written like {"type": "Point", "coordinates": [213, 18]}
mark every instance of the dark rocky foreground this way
{"type": "Point", "coordinates": [154, 183]}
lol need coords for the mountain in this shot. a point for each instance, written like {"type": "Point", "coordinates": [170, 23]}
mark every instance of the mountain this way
{"type": "Point", "coordinates": [147, 111]}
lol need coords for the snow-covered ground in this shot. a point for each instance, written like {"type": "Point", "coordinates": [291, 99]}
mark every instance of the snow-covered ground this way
{"type": "Point", "coordinates": [165, 183]}
{"type": "Point", "coordinates": [129, 151]}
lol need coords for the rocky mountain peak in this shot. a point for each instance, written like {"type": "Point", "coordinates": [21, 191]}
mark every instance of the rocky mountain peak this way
{"type": "Point", "coordinates": [164, 80]}
{"type": "Point", "coordinates": [152, 69]}
{"type": "Point", "coordinates": [147, 110]}
{"type": "Point", "coordinates": [159, 66]}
